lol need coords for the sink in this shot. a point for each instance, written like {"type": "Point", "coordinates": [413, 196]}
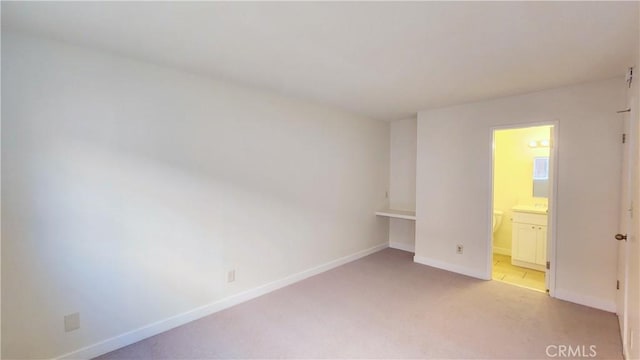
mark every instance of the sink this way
{"type": "Point", "coordinates": [530, 209]}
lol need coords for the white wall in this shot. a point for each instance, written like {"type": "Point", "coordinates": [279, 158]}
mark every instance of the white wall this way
{"type": "Point", "coordinates": [402, 234]}
{"type": "Point", "coordinates": [454, 184]}
{"type": "Point", "coordinates": [130, 189]}
{"type": "Point", "coordinates": [402, 181]}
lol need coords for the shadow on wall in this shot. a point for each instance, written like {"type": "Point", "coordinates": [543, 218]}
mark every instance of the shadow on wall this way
{"type": "Point", "coordinates": [109, 230]}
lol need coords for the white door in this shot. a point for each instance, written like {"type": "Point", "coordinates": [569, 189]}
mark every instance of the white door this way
{"type": "Point", "coordinates": [626, 218]}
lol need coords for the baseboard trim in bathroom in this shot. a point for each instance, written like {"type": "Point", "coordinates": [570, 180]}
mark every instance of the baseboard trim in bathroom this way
{"type": "Point", "coordinates": [501, 251]}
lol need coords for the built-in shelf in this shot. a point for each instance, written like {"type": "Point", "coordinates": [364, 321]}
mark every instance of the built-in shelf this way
{"type": "Point", "coordinates": [399, 214]}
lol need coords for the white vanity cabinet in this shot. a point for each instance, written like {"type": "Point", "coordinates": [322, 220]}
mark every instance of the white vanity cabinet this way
{"type": "Point", "coordinates": [529, 238]}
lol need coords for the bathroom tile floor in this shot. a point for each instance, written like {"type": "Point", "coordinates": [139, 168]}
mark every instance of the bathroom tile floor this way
{"type": "Point", "coordinates": [516, 275]}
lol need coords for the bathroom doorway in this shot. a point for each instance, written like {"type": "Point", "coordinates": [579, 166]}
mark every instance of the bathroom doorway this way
{"type": "Point", "coordinates": [521, 246]}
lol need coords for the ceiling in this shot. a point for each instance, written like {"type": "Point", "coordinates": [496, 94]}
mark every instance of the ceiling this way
{"type": "Point", "coordinates": [385, 60]}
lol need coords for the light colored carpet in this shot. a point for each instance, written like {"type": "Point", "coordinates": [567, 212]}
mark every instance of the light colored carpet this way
{"type": "Point", "coordinates": [386, 306]}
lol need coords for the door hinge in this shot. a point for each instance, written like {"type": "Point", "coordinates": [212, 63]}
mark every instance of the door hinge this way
{"type": "Point", "coordinates": [624, 138]}
{"type": "Point", "coordinates": [617, 284]}
{"type": "Point", "coordinates": [629, 78]}
{"type": "Point", "coordinates": [548, 265]}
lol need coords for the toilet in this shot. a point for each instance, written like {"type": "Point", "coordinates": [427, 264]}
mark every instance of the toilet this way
{"type": "Point", "coordinates": [497, 220]}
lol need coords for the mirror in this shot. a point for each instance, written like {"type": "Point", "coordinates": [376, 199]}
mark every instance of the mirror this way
{"type": "Point", "coordinates": [541, 176]}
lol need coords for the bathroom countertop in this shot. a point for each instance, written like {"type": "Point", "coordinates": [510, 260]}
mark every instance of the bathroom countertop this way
{"type": "Point", "coordinates": [530, 209]}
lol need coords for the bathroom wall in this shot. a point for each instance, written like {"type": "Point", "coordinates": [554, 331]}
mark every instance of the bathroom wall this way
{"type": "Point", "coordinates": [453, 185]}
{"type": "Point", "coordinates": [512, 176]}
{"type": "Point", "coordinates": [402, 181]}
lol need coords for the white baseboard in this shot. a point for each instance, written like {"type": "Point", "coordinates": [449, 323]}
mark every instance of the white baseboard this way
{"type": "Point", "coordinates": [402, 246]}
{"type": "Point", "coordinates": [590, 301]}
{"type": "Point", "coordinates": [158, 327]}
{"type": "Point", "coordinates": [528, 265]}
{"type": "Point", "coordinates": [450, 267]}
{"type": "Point", "coordinates": [501, 251]}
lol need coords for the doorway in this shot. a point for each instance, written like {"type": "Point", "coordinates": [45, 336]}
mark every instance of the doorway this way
{"type": "Point", "coordinates": [522, 205]}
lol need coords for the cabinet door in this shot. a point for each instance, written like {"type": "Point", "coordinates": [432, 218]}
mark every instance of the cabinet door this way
{"type": "Point", "coordinates": [525, 242]}
{"type": "Point", "coordinates": [541, 246]}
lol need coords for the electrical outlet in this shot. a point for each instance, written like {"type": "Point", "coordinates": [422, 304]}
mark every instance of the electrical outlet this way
{"type": "Point", "coordinates": [72, 322]}
{"type": "Point", "coordinates": [231, 276]}
{"type": "Point", "coordinates": [459, 248]}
